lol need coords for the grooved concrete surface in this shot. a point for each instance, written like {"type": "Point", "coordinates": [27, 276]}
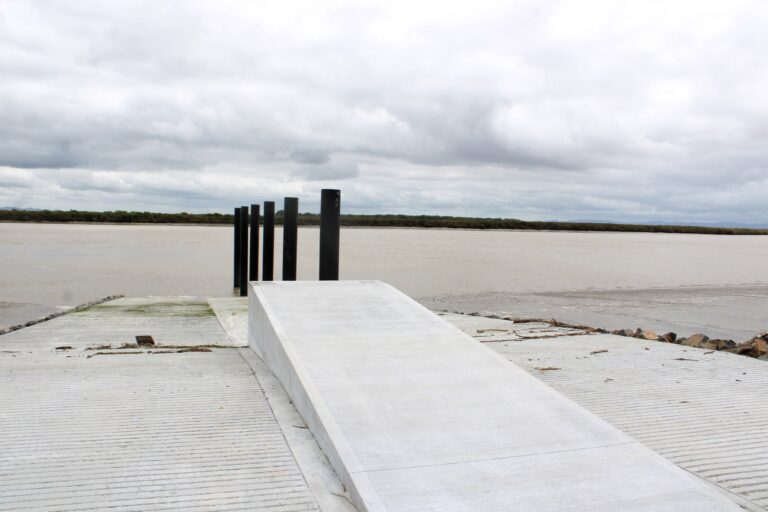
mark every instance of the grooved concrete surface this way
{"type": "Point", "coordinates": [705, 411]}
{"type": "Point", "coordinates": [138, 431]}
{"type": "Point", "coordinates": [156, 431]}
{"type": "Point", "coordinates": [415, 415]}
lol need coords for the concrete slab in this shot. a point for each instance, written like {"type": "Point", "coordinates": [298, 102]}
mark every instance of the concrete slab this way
{"type": "Point", "coordinates": [702, 410]}
{"type": "Point", "coordinates": [140, 430]}
{"type": "Point", "coordinates": [415, 415]}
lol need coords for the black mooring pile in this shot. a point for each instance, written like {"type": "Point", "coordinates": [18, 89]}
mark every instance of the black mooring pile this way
{"type": "Point", "coordinates": [247, 268]}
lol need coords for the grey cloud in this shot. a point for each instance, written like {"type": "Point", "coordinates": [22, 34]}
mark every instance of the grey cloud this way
{"type": "Point", "coordinates": [339, 170]}
{"type": "Point", "coordinates": [490, 108]}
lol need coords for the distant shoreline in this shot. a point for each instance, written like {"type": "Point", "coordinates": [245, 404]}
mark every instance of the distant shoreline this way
{"type": "Point", "coordinates": [354, 220]}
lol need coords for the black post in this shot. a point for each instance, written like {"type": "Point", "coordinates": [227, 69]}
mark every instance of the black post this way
{"type": "Point", "coordinates": [330, 226]}
{"type": "Point", "coordinates": [243, 251]}
{"type": "Point", "coordinates": [290, 237]}
{"type": "Point", "coordinates": [254, 267]}
{"type": "Point", "coordinates": [237, 248]}
{"type": "Point", "coordinates": [269, 241]}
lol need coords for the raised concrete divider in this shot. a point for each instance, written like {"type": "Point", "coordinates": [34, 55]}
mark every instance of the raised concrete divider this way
{"type": "Point", "coordinates": [415, 415]}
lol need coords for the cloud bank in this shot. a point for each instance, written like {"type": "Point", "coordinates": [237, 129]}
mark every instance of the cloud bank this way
{"type": "Point", "coordinates": [649, 111]}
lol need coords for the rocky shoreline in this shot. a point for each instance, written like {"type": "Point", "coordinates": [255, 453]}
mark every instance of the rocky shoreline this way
{"type": "Point", "coordinates": [756, 347]}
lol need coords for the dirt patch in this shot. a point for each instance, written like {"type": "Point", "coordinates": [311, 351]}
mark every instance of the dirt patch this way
{"type": "Point", "coordinates": [164, 308]}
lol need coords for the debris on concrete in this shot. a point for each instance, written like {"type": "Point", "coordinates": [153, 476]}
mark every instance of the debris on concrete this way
{"type": "Point", "coordinates": [756, 347]}
{"type": "Point", "coordinates": [181, 350]}
{"type": "Point", "coordinates": [551, 321]}
{"type": "Point", "coordinates": [115, 353]}
{"type": "Point", "coordinates": [170, 349]}
{"type": "Point", "coordinates": [646, 335]}
{"type": "Point", "coordinates": [145, 341]}
{"type": "Point", "coordinates": [518, 330]}
{"type": "Point", "coordinates": [694, 340]}
{"type": "Point", "coordinates": [669, 337]}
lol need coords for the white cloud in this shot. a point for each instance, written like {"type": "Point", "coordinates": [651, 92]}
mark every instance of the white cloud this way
{"type": "Point", "coordinates": [651, 111]}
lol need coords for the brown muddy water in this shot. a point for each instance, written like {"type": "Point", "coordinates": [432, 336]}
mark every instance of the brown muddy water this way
{"type": "Point", "coordinates": [686, 283]}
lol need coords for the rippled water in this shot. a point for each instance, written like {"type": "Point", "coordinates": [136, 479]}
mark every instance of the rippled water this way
{"type": "Point", "coordinates": [719, 282]}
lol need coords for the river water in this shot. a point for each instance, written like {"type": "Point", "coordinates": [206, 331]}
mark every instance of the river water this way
{"type": "Point", "coordinates": [686, 283]}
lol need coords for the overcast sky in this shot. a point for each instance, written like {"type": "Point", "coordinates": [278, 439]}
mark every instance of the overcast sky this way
{"type": "Point", "coordinates": [612, 110]}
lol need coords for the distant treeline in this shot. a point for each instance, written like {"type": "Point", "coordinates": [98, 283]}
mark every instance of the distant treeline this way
{"type": "Point", "coordinates": [313, 219]}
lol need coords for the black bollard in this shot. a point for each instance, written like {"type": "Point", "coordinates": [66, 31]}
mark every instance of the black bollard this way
{"type": "Point", "coordinates": [330, 226]}
{"type": "Point", "coordinates": [268, 257]}
{"type": "Point", "coordinates": [243, 251]}
{"type": "Point", "coordinates": [290, 237]}
{"type": "Point", "coordinates": [237, 248]}
{"type": "Point", "coordinates": [254, 266]}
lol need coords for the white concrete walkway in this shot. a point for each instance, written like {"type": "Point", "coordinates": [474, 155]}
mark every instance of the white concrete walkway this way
{"type": "Point", "coordinates": [417, 416]}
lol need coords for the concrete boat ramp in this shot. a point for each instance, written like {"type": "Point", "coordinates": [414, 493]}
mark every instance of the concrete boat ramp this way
{"type": "Point", "coordinates": [353, 397]}
{"type": "Point", "coordinates": [103, 425]}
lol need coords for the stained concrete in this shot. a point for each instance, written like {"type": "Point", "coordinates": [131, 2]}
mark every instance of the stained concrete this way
{"type": "Point", "coordinates": [415, 415]}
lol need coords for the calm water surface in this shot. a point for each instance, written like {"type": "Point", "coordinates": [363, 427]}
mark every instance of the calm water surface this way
{"type": "Point", "coordinates": [610, 279]}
